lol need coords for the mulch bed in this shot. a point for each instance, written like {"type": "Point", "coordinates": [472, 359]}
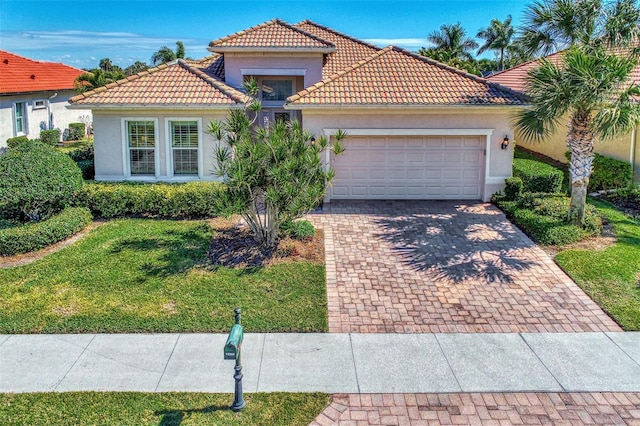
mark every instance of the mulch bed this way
{"type": "Point", "coordinates": [233, 246]}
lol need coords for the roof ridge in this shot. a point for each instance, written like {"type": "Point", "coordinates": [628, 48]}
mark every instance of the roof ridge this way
{"type": "Point", "coordinates": [339, 74]}
{"type": "Point", "coordinates": [458, 71]}
{"type": "Point", "coordinates": [357, 40]}
{"type": "Point", "coordinates": [232, 92]}
{"type": "Point", "coordinates": [278, 21]}
{"type": "Point", "coordinates": [527, 63]}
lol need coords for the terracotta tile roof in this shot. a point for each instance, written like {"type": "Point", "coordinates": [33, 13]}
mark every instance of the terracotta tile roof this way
{"type": "Point", "coordinates": [175, 84]}
{"type": "Point", "coordinates": [515, 77]}
{"type": "Point", "coordinates": [19, 74]}
{"type": "Point", "coordinates": [213, 65]}
{"type": "Point", "coordinates": [275, 34]}
{"type": "Point", "coordinates": [349, 50]}
{"type": "Point", "coordinates": [394, 76]}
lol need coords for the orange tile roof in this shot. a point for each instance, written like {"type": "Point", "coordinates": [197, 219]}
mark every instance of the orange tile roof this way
{"type": "Point", "coordinates": [274, 34]}
{"type": "Point", "coordinates": [19, 74]}
{"type": "Point", "coordinates": [175, 84]}
{"type": "Point", "coordinates": [394, 76]}
{"type": "Point", "coordinates": [516, 77]}
{"type": "Point", "coordinates": [349, 50]}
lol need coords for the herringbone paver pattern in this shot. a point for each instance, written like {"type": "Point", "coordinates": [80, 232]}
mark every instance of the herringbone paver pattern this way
{"type": "Point", "coordinates": [442, 266]}
{"type": "Point", "coordinates": [482, 409]}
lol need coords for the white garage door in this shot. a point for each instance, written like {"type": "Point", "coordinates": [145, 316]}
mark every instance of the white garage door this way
{"type": "Point", "coordinates": [410, 167]}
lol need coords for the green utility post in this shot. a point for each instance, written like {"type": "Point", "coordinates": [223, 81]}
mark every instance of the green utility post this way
{"type": "Point", "coordinates": [232, 350]}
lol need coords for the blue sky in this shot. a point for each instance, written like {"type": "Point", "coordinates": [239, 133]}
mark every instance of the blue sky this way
{"type": "Point", "coordinates": [80, 33]}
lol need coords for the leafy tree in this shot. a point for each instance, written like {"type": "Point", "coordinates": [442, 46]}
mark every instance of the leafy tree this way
{"type": "Point", "coordinates": [452, 42]}
{"type": "Point", "coordinates": [135, 68]}
{"type": "Point", "coordinates": [97, 78]}
{"type": "Point", "coordinates": [107, 66]}
{"type": "Point", "coordinates": [497, 37]}
{"type": "Point", "coordinates": [165, 54]}
{"type": "Point", "coordinates": [273, 175]}
{"type": "Point", "coordinates": [591, 84]}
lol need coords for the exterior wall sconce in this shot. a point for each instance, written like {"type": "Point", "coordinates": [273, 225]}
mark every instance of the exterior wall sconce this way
{"type": "Point", "coordinates": [505, 142]}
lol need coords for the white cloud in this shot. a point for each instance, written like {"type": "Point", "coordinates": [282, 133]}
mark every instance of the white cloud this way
{"type": "Point", "coordinates": [407, 43]}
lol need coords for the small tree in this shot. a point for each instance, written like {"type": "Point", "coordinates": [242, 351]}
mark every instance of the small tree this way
{"type": "Point", "coordinates": [273, 175]}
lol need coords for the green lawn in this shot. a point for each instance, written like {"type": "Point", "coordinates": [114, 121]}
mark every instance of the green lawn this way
{"type": "Point", "coordinates": [137, 275]}
{"type": "Point", "coordinates": [610, 277]}
{"type": "Point", "coordinates": [163, 409]}
{"type": "Point", "coordinates": [73, 145]}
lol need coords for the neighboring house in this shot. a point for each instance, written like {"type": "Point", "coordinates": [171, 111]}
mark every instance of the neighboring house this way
{"type": "Point", "coordinates": [34, 96]}
{"type": "Point", "coordinates": [624, 148]}
{"type": "Point", "coordinates": [417, 129]}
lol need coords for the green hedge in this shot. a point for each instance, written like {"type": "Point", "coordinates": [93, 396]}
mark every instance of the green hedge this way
{"type": "Point", "coordinates": [608, 173]}
{"type": "Point", "coordinates": [545, 218]}
{"type": "Point", "coordinates": [50, 137]}
{"type": "Point", "coordinates": [537, 176]}
{"type": "Point", "coordinates": [186, 200]}
{"type": "Point", "coordinates": [77, 131]}
{"type": "Point", "coordinates": [38, 235]}
{"type": "Point", "coordinates": [513, 188]}
{"type": "Point", "coordinates": [87, 168]}
{"type": "Point", "coordinates": [13, 142]}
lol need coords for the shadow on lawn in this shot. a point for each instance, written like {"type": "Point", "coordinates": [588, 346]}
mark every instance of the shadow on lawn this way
{"type": "Point", "coordinates": [175, 417]}
{"type": "Point", "coordinates": [454, 241]}
{"type": "Point", "coordinates": [170, 252]}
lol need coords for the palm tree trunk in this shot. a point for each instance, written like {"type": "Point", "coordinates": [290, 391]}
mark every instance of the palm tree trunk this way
{"type": "Point", "coordinates": [580, 143]}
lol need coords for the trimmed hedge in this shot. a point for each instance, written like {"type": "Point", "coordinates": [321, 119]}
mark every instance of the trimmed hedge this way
{"type": "Point", "coordinates": [513, 188]}
{"type": "Point", "coordinates": [13, 142]}
{"type": "Point", "coordinates": [77, 131]}
{"type": "Point", "coordinates": [87, 168]}
{"type": "Point", "coordinates": [179, 200]}
{"type": "Point", "coordinates": [50, 137]}
{"type": "Point", "coordinates": [545, 218]}
{"type": "Point", "coordinates": [537, 176]}
{"type": "Point", "coordinates": [38, 235]}
{"type": "Point", "coordinates": [608, 173]}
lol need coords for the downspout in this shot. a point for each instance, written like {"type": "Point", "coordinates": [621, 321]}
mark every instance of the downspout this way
{"type": "Point", "coordinates": [49, 116]}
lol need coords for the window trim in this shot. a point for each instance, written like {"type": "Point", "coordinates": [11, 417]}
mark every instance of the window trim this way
{"type": "Point", "coordinates": [261, 80]}
{"type": "Point", "coordinates": [126, 152]}
{"type": "Point", "coordinates": [35, 105]}
{"type": "Point", "coordinates": [25, 119]}
{"type": "Point", "coordinates": [169, 148]}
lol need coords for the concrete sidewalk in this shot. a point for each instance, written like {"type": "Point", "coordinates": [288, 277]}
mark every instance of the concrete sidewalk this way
{"type": "Point", "coordinates": [334, 363]}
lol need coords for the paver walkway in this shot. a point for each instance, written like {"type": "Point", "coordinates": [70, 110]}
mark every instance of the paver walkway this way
{"type": "Point", "coordinates": [443, 266]}
{"type": "Point", "coordinates": [482, 409]}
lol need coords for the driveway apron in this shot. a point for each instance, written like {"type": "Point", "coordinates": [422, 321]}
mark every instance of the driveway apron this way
{"type": "Point", "coordinates": [443, 267]}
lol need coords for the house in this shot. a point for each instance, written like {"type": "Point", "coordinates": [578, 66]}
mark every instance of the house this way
{"type": "Point", "coordinates": [417, 129]}
{"type": "Point", "coordinates": [34, 96]}
{"type": "Point", "coordinates": [624, 148]}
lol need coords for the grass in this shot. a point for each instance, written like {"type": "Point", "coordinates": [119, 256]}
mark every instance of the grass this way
{"type": "Point", "coordinates": [164, 409]}
{"type": "Point", "coordinates": [73, 145]}
{"type": "Point", "coordinates": [137, 275]}
{"type": "Point", "coordinates": [610, 277]}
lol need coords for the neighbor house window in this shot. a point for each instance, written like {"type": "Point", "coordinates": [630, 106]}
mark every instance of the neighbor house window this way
{"type": "Point", "coordinates": [39, 104]}
{"type": "Point", "coordinates": [184, 147]}
{"type": "Point", "coordinates": [141, 142]}
{"type": "Point", "coordinates": [20, 118]}
{"type": "Point", "coordinates": [276, 90]}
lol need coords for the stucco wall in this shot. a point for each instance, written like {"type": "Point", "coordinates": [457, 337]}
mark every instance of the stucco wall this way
{"type": "Point", "coordinates": [108, 133]}
{"type": "Point", "coordinates": [37, 117]}
{"type": "Point", "coordinates": [499, 161]}
{"type": "Point", "coordinates": [234, 63]}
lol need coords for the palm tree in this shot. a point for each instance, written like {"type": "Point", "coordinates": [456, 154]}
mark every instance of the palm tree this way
{"type": "Point", "coordinates": [591, 84]}
{"type": "Point", "coordinates": [165, 54]}
{"type": "Point", "coordinates": [453, 42]}
{"type": "Point", "coordinates": [96, 78]}
{"type": "Point", "coordinates": [497, 37]}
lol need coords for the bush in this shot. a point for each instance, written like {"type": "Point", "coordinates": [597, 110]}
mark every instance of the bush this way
{"type": "Point", "coordinates": [13, 142]}
{"type": "Point", "coordinates": [609, 173]}
{"type": "Point", "coordinates": [187, 200]}
{"type": "Point", "coordinates": [50, 137]}
{"type": "Point", "coordinates": [82, 154]}
{"type": "Point", "coordinates": [77, 131]}
{"type": "Point", "coordinates": [513, 188]}
{"type": "Point", "coordinates": [35, 236]}
{"type": "Point", "coordinates": [36, 181]}
{"type": "Point", "coordinates": [299, 229]}
{"type": "Point", "coordinates": [545, 217]}
{"type": "Point", "coordinates": [537, 176]}
{"type": "Point", "coordinates": [87, 168]}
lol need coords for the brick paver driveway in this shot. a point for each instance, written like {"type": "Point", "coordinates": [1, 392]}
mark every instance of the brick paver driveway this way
{"type": "Point", "coordinates": [442, 266]}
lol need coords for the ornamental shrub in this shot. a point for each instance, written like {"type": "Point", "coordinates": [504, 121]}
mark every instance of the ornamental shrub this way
{"type": "Point", "coordinates": [87, 168]}
{"type": "Point", "coordinates": [36, 181]}
{"type": "Point", "coordinates": [35, 236]}
{"type": "Point", "coordinates": [299, 229]}
{"type": "Point", "coordinates": [180, 200]}
{"type": "Point", "coordinates": [77, 131]}
{"type": "Point", "coordinates": [13, 142]}
{"type": "Point", "coordinates": [537, 176]}
{"type": "Point", "coordinates": [50, 137]}
{"type": "Point", "coordinates": [513, 188]}
{"type": "Point", "coordinates": [609, 173]}
{"type": "Point", "coordinates": [82, 154]}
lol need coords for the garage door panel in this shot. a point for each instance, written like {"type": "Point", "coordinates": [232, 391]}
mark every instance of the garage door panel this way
{"type": "Point", "coordinates": [409, 167]}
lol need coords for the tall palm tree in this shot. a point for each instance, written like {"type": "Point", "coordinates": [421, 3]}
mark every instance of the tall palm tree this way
{"type": "Point", "coordinates": [165, 54]}
{"type": "Point", "coordinates": [591, 85]}
{"type": "Point", "coordinates": [497, 36]}
{"type": "Point", "coordinates": [452, 40]}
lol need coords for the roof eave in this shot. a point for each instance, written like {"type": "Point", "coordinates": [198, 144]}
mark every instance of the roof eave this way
{"type": "Point", "coordinates": [34, 91]}
{"type": "Point", "coordinates": [155, 106]}
{"type": "Point", "coordinates": [401, 106]}
{"type": "Point", "coordinates": [236, 49]}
